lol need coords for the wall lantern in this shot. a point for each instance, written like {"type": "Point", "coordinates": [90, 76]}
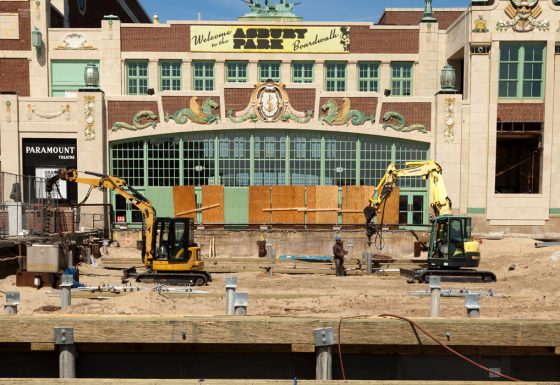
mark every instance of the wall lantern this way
{"type": "Point", "coordinates": [37, 40]}
{"type": "Point", "coordinates": [91, 76]}
{"type": "Point", "coordinates": [447, 79]}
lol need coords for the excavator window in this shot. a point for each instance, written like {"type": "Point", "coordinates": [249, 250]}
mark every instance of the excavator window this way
{"type": "Point", "coordinates": [456, 238]}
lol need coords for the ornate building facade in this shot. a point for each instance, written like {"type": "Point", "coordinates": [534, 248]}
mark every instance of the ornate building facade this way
{"type": "Point", "coordinates": [273, 100]}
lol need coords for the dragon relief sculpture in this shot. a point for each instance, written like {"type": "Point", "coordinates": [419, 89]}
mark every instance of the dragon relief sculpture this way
{"type": "Point", "coordinates": [337, 116]}
{"type": "Point", "coordinates": [523, 16]}
{"type": "Point", "coordinates": [196, 113]}
{"type": "Point", "coordinates": [269, 103]}
{"type": "Point", "coordinates": [137, 122]}
{"type": "Point", "coordinates": [389, 117]}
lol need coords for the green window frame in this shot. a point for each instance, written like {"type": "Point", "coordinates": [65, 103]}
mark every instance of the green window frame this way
{"type": "Point", "coordinates": [368, 77]}
{"type": "Point", "coordinates": [236, 71]}
{"type": "Point", "coordinates": [170, 75]}
{"type": "Point", "coordinates": [234, 159]}
{"type": "Point", "coordinates": [303, 72]}
{"type": "Point", "coordinates": [335, 76]}
{"type": "Point", "coordinates": [136, 77]}
{"type": "Point", "coordinates": [163, 157]}
{"type": "Point", "coordinates": [199, 160]}
{"type": "Point", "coordinates": [521, 70]}
{"type": "Point", "coordinates": [269, 70]}
{"type": "Point", "coordinates": [306, 159]}
{"type": "Point", "coordinates": [269, 153]}
{"type": "Point", "coordinates": [203, 75]}
{"type": "Point", "coordinates": [340, 161]}
{"type": "Point", "coordinates": [401, 79]}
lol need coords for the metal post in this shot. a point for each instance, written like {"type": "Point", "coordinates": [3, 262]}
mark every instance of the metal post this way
{"type": "Point", "coordinates": [66, 291]}
{"type": "Point", "coordinates": [105, 245]}
{"type": "Point", "coordinates": [324, 341]}
{"type": "Point", "coordinates": [231, 285]}
{"type": "Point", "coordinates": [435, 287]}
{"type": "Point", "coordinates": [240, 303]}
{"type": "Point", "coordinates": [64, 339]}
{"type": "Point", "coordinates": [70, 259]}
{"type": "Point", "coordinates": [88, 255]}
{"type": "Point", "coordinates": [12, 302]}
{"type": "Point", "coordinates": [472, 303]}
{"type": "Point", "coordinates": [369, 262]}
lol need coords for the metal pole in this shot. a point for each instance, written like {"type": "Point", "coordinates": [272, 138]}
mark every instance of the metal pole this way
{"type": "Point", "coordinates": [105, 245]}
{"type": "Point", "coordinates": [12, 302]}
{"type": "Point", "coordinates": [472, 303]}
{"type": "Point", "coordinates": [231, 285]}
{"type": "Point", "coordinates": [88, 255]}
{"type": "Point", "coordinates": [435, 287]}
{"type": "Point", "coordinates": [66, 291]}
{"type": "Point", "coordinates": [64, 339]}
{"type": "Point", "coordinates": [324, 341]}
{"type": "Point", "coordinates": [369, 262]}
{"type": "Point", "coordinates": [240, 303]}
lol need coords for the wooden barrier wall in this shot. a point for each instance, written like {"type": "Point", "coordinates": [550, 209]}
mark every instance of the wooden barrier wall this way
{"type": "Point", "coordinates": [324, 200]}
{"type": "Point", "coordinates": [184, 202]}
{"type": "Point", "coordinates": [212, 204]}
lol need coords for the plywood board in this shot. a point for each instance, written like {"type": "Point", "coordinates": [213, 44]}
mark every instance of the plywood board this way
{"type": "Point", "coordinates": [288, 197]}
{"type": "Point", "coordinates": [389, 211]}
{"type": "Point", "coordinates": [212, 196]}
{"type": "Point", "coordinates": [322, 197]}
{"type": "Point", "coordinates": [355, 198]}
{"type": "Point", "coordinates": [259, 199]}
{"type": "Point", "coordinates": [184, 199]}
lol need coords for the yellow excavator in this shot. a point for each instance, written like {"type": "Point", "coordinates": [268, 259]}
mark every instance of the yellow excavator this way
{"type": "Point", "coordinates": [452, 252]}
{"type": "Point", "coordinates": [169, 251]}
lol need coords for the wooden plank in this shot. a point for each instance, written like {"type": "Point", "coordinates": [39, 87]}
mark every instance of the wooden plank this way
{"type": "Point", "coordinates": [320, 203]}
{"type": "Point", "coordinates": [259, 200]}
{"type": "Point", "coordinates": [287, 197]}
{"type": "Point", "coordinates": [212, 196]}
{"type": "Point", "coordinates": [388, 212]}
{"type": "Point", "coordinates": [355, 198]}
{"type": "Point", "coordinates": [184, 200]}
{"type": "Point", "coordinates": [277, 330]}
{"type": "Point", "coordinates": [200, 209]}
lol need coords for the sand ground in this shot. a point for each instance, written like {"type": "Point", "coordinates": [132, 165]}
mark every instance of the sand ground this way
{"type": "Point", "coordinates": [527, 288]}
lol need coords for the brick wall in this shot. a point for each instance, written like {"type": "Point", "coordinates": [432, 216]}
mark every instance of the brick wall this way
{"type": "Point", "coordinates": [414, 113]}
{"type": "Point", "coordinates": [521, 112]}
{"type": "Point", "coordinates": [176, 38]}
{"type": "Point", "coordinates": [366, 40]}
{"type": "Point", "coordinates": [24, 42]}
{"type": "Point", "coordinates": [171, 104]}
{"type": "Point", "coordinates": [367, 105]}
{"type": "Point", "coordinates": [302, 99]}
{"type": "Point", "coordinates": [121, 111]}
{"type": "Point", "coordinates": [444, 18]}
{"type": "Point", "coordinates": [14, 76]}
{"type": "Point", "coordinates": [237, 99]}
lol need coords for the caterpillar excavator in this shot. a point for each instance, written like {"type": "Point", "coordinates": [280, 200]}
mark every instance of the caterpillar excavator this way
{"type": "Point", "coordinates": [452, 252]}
{"type": "Point", "coordinates": [169, 251]}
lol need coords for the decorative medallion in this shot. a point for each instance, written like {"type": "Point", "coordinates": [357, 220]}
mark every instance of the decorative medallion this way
{"type": "Point", "coordinates": [449, 121]}
{"type": "Point", "coordinates": [8, 111]}
{"type": "Point", "coordinates": [196, 113]}
{"type": "Point", "coordinates": [89, 117]}
{"type": "Point", "coordinates": [523, 16]}
{"type": "Point", "coordinates": [75, 41]}
{"type": "Point", "coordinates": [82, 6]}
{"type": "Point", "coordinates": [480, 25]}
{"type": "Point", "coordinates": [396, 121]}
{"type": "Point", "coordinates": [269, 103]}
{"type": "Point", "coordinates": [38, 9]}
{"type": "Point", "coordinates": [149, 118]}
{"type": "Point", "coordinates": [64, 110]}
{"type": "Point", "coordinates": [337, 116]}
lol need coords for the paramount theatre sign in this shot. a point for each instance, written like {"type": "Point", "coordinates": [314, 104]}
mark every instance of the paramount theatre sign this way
{"type": "Point", "coordinates": [290, 39]}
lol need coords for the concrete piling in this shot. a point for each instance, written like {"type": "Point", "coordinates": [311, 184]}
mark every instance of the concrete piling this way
{"type": "Point", "coordinates": [66, 291]}
{"type": "Point", "coordinates": [324, 341]}
{"type": "Point", "coordinates": [12, 302]}
{"type": "Point", "coordinates": [64, 340]}
{"type": "Point", "coordinates": [240, 303]}
{"type": "Point", "coordinates": [472, 303]}
{"type": "Point", "coordinates": [435, 288]}
{"type": "Point", "coordinates": [231, 286]}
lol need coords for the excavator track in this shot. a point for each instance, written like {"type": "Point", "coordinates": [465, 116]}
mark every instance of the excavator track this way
{"type": "Point", "coordinates": [455, 275]}
{"type": "Point", "coordinates": [194, 278]}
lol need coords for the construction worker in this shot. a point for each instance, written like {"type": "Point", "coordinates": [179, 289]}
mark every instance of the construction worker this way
{"type": "Point", "coordinates": [339, 253]}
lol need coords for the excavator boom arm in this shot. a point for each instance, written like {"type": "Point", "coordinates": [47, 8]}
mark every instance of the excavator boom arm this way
{"type": "Point", "coordinates": [120, 187]}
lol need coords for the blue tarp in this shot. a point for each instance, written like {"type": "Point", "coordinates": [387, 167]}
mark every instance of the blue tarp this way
{"type": "Point", "coordinates": [308, 258]}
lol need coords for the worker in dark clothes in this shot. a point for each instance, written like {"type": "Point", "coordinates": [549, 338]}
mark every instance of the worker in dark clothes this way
{"type": "Point", "coordinates": [339, 253]}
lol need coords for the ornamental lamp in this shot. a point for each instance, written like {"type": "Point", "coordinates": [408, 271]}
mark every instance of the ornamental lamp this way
{"type": "Point", "coordinates": [37, 40]}
{"type": "Point", "coordinates": [447, 79]}
{"type": "Point", "coordinates": [91, 76]}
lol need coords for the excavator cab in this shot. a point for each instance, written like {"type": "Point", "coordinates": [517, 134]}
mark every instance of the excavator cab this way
{"type": "Point", "coordinates": [451, 244]}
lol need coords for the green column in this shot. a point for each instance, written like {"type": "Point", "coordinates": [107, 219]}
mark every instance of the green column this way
{"type": "Point", "coordinates": [251, 159]}
{"type": "Point", "coordinates": [287, 161]}
{"type": "Point", "coordinates": [217, 179]}
{"type": "Point", "coordinates": [323, 163]}
{"type": "Point", "coordinates": [182, 161]}
{"type": "Point", "coordinates": [358, 161]}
